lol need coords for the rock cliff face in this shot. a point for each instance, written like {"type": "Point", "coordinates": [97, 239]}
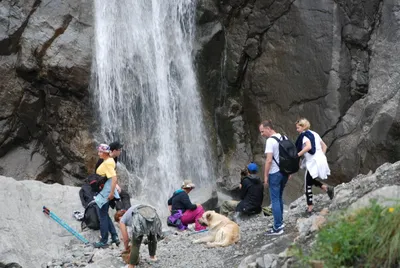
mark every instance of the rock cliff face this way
{"type": "Point", "coordinates": [333, 62]}
{"type": "Point", "coordinates": [45, 54]}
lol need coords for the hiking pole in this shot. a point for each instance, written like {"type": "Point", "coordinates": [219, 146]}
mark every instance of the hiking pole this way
{"type": "Point", "coordinates": [65, 225]}
{"type": "Point", "coordinates": [197, 232]}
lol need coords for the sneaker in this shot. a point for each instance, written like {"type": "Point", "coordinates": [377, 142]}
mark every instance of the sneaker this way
{"type": "Point", "coordinates": [331, 192]}
{"type": "Point", "coordinates": [271, 225]}
{"type": "Point", "coordinates": [115, 240]}
{"type": "Point", "coordinates": [100, 245]}
{"type": "Point", "coordinates": [272, 231]}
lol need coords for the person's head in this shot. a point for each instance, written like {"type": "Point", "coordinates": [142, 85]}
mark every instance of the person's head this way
{"type": "Point", "coordinates": [252, 168]}
{"type": "Point", "coordinates": [103, 150]}
{"type": "Point", "coordinates": [266, 128]}
{"type": "Point", "coordinates": [187, 185]}
{"type": "Point", "coordinates": [118, 215]}
{"type": "Point", "coordinates": [302, 125]}
{"type": "Point", "coordinates": [115, 148]}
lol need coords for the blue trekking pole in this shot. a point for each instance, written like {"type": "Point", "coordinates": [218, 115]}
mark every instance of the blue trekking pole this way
{"type": "Point", "coordinates": [65, 225]}
{"type": "Point", "coordinates": [197, 232]}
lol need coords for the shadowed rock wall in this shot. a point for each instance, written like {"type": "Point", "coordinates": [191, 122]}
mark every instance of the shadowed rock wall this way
{"type": "Point", "coordinates": [333, 62]}
{"type": "Point", "coordinates": [45, 55]}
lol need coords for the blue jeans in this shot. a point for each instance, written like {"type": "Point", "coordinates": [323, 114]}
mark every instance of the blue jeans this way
{"type": "Point", "coordinates": [277, 182]}
{"type": "Point", "coordinates": [106, 224]}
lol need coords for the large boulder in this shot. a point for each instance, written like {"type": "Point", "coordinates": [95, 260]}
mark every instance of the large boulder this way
{"type": "Point", "coordinates": [28, 236]}
{"type": "Point", "coordinates": [366, 135]}
{"type": "Point", "coordinates": [331, 62]}
{"type": "Point", "coordinates": [45, 113]}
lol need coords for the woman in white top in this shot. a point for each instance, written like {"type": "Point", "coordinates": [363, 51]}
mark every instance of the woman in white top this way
{"type": "Point", "coordinates": [312, 147]}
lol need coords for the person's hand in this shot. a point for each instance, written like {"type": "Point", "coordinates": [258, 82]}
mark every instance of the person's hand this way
{"type": "Point", "coordinates": [110, 196]}
{"type": "Point", "coordinates": [118, 188]}
{"type": "Point", "coordinates": [290, 176]}
{"type": "Point", "coordinates": [266, 182]}
{"type": "Point", "coordinates": [169, 207]}
{"type": "Point", "coordinates": [198, 205]}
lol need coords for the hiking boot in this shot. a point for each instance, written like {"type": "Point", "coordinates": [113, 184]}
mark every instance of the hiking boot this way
{"type": "Point", "coordinates": [115, 240]}
{"type": "Point", "coordinates": [100, 245]}
{"type": "Point", "coordinates": [331, 192]}
{"type": "Point", "coordinates": [272, 231]}
{"type": "Point", "coordinates": [271, 225]}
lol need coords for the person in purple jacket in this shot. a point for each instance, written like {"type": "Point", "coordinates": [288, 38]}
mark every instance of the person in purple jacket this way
{"type": "Point", "coordinates": [190, 212]}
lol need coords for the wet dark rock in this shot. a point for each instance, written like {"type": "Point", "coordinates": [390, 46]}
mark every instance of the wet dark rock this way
{"type": "Point", "coordinates": [44, 99]}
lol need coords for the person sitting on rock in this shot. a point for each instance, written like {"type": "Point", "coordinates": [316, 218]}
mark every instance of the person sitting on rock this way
{"type": "Point", "coordinates": [125, 200]}
{"type": "Point", "coordinates": [251, 194]}
{"type": "Point", "coordinates": [190, 212]}
{"type": "Point", "coordinates": [144, 220]}
{"type": "Point", "coordinates": [310, 146]}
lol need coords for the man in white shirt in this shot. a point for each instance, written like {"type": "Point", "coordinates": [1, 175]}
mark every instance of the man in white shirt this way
{"type": "Point", "coordinates": [273, 178]}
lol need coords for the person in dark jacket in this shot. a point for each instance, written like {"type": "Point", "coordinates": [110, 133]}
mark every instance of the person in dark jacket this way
{"type": "Point", "coordinates": [125, 200]}
{"type": "Point", "coordinates": [251, 194]}
{"type": "Point", "coordinates": [190, 212]}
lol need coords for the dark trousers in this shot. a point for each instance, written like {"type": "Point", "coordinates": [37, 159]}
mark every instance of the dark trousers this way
{"type": "Point", "coordinates": [124, 202]}
{"type": "Point", "coordinates": [308, 186]}
{"type": "Point", "coordinates": [106, 224]}
{"type": "Point", "coordinates": [136, 242]}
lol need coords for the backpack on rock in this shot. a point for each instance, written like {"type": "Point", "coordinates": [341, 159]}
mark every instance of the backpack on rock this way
{"type": "Point", "coordinates": [91, 217]}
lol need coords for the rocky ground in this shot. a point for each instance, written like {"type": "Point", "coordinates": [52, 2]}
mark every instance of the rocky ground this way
{"type": "Point", "coordinates": [40, 242]}
{"type": "Point", "coordinates": [177, 250]}
{"type": "Point", "coordinates": [255, 249]}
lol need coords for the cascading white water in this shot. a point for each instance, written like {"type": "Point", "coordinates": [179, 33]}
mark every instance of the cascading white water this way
{"type": "Point", "coordinates": [146, 92]}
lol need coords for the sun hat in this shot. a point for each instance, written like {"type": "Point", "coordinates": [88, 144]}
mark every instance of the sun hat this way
{"type": "Point", "coordinates": [188, 184]}
{"type": "Point", "coordinates": [104, 148]}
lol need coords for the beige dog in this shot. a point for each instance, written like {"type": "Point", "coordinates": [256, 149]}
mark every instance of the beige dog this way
{"type": "Point", "coordinates": [222, 231]}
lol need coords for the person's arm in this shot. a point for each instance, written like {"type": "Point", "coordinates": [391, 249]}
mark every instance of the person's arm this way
{"type": "Point", "coordinates": [268, 164]}
{"type": "Point", "coordinates": [125, 236]}
{"type": "Point", "coordinates": [323, 146]}
{"type": "Point", "coordinates": [110, 173]}
{"type": "Point", "coordinates": [170, 203]}
{"type": "Point", "coordinates": [306, 148]}
{"type": "Point", "coordinates": [187, 203]}
{"type": "Point", "coordinates": [113, 184]}
{"type": "Point", "coordinates": [244, 187]}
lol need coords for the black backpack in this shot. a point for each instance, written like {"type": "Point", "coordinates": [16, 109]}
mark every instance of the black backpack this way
{"type": "Point", "coordinates": [86, 194]}
{"type": "Point", "coordinates": [96, 182]}
{"type": "Point", "coordinates": [288, 159]}
{"type": "Point", "coordinates": [91, 217]}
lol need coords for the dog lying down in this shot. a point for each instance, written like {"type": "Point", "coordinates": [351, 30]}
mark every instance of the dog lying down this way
{"type": "Point", "coordinates": [222, 231]}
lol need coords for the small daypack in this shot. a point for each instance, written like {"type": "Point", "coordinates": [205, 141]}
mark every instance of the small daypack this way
{"type": "Point", "coordinates": [288, 158]}
{"type": "Point", "coordinates": [96, 182]}
{"type": "Point", "coordinates": [91, 217]}
{"type": "Point", "coordinates": [86, 194]}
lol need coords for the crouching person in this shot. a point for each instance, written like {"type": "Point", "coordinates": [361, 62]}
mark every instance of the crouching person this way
{"type": "Point", "coordinates": [182, 208]}
{"type": "Point", "coordinates": [144, 220]}
{"type": "Point", "coordinates": [251, 194]}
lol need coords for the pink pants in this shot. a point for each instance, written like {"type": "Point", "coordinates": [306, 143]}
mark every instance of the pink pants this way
{"type": "Point", "coordinates": [192, 216]}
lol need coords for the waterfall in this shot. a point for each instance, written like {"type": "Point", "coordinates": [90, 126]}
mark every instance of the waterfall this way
{"type": "Point", "coordinates": [146, 94]}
